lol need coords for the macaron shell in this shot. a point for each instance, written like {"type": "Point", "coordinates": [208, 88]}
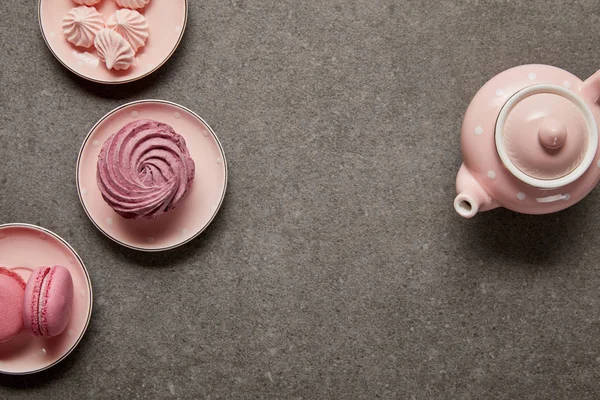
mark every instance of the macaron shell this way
{"type": "Point", "coordinates": [7, 272]}
{"type": "Point", "coordinates": [57, 301]}
{"type": "Point", "coordinates": [11, 304]}
{"type": "Point", "coordinates": [53, 287]}
{"type": "Point", "coordinates": [31, 300]}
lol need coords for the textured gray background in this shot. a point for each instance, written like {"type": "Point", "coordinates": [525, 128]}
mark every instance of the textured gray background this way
{"type": "Point", "coordinates": [337, 267]}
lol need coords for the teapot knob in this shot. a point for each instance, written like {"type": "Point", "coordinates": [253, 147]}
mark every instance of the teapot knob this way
{"type": "Point", "coordinates": [552, 133]}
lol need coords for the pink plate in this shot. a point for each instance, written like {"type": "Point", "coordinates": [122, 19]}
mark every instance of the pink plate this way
{"type": "Point", "coordinates": [166, 19]}
{"type": "Point", "coordinates": [23, 248]}
{"type": "Point", "coordinates": [197, 209]}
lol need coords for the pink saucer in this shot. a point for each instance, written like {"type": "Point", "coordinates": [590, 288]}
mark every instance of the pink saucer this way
{"type": "Point", "coordinates": [167, 21]}
{"type": "Point", "coordinates": [22, 249]}
{"type": "Point", "coordinates": [197, 209]}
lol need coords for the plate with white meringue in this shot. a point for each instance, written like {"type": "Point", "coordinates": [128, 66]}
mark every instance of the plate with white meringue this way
{"type": "Point", "coordinates": [112, 41]}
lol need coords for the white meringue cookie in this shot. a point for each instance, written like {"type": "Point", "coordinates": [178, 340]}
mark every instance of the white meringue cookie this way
{"type": "Point", "coordinates": [133, 4]}
{"type": "Point", "coordinates": [87, 2]}
{"type": "Point", "coordinates": [113, 49]}
{"type": "Point", "coordinates": [81, 24]}
{"type": "Point", "coordinates": [131, 25]}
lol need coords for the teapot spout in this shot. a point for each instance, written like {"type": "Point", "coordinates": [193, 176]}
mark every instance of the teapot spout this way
{"type": "Point", "coordinates": [591, 88]}
{"type": "Point", "coordinates": [472, 197]}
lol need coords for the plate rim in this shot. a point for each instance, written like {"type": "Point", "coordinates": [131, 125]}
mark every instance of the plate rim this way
{"type": "Point", "coordinates": [89, 282]}
{"type": "Point", "coordinates": [104, 82]}
{"type": "Point", "coordinates": [216, 211]}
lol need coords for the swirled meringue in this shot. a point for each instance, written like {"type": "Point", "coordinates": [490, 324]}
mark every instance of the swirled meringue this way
{"type": "Point", "coordinates": [113, 49]}
{"type": "Point", "coordinates": [133, 4]}
{"type": "Point", "coordinates": [81, 24]}
{"type": "Point", "coordinates": [144, 169]}
{"type": "Point", "coordinates": [131, 25]}
{"type": "Point", "coordinates": [87, 2]}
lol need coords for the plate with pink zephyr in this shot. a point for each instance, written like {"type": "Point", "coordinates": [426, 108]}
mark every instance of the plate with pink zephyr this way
{"type": "Point", "coordinates": [151, 175]}
{"type": "Point", "coordinates": [45, 299]}
{"type": "Point", "coordinates": [112, 41]}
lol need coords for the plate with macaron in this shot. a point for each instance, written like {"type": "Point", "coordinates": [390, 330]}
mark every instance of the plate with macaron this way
{"type": "Point", "coordinates": [151, 175]}
{"type": "Point", "coordinates": [112, 41]}
{"type": "Point", "coordinates": [45, 298]}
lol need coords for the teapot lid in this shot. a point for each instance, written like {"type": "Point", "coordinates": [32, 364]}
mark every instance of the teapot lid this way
{"type": "Point", "coordinates": [546, 136]}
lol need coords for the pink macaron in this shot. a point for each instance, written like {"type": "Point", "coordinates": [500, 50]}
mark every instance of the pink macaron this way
{"type": "Point", "coordinates": [48, 300]}
{"type": "Point", "coordinates": [12, 290]}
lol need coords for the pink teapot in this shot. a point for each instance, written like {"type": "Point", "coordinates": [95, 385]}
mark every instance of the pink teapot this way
{"type": "Point", "coordinates": [530, 142]}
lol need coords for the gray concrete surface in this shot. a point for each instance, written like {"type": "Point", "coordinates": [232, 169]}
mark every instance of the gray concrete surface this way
{"type": "Point", "coordinates": [337, 268]}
